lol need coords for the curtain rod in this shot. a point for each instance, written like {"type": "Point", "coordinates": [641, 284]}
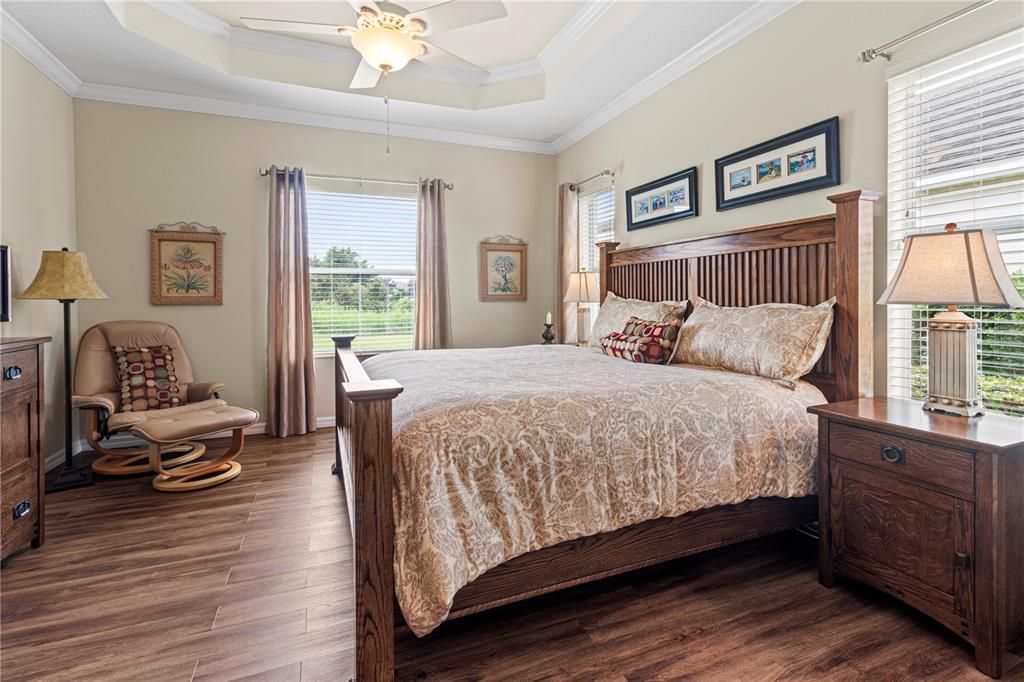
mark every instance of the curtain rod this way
{"type": "Point", "coordinates": [576, 185]}
{"type": "Point", "coordinates": [885, 51]}
{"type": "Point", "coordinates": [264, 172]}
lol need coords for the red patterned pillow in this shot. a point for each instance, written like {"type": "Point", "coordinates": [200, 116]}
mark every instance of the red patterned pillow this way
{"type": "Point", "coordinates": [148, 381]}
{"type": "Point", "coordinates": [645, 341]}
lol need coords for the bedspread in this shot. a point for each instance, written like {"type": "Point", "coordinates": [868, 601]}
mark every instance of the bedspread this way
{"type": "Point", "coordinates": [499, 452]}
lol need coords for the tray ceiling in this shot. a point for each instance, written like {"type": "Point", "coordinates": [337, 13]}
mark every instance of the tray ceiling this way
{"type": "Point", "coordinates": [557, 70]}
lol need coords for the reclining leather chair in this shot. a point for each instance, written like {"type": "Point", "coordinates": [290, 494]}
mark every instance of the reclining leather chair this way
{"type": "Point", "coordinates": [198, 410]}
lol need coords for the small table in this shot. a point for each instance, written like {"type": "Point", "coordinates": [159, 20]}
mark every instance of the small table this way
{"type": "Point", "coordinates": [929, 508]}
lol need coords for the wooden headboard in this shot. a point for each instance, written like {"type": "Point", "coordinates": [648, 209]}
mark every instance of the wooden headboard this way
{"type": "Point", "coordinates": [803, 261]}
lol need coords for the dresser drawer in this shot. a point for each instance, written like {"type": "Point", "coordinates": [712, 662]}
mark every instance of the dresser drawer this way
{"type": "Point", "coordinates": [18, 433]}
{"type": "Point", "coordinates": [19, 507]}
{"type": "Point", "coordinates": [19, 370]}
{"type": "Point", "coordinates": [931, 464]}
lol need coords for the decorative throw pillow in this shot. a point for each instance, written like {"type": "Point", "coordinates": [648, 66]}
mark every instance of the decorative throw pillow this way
{"type": "Point", "coordinates": [780, 341]}
{"type": "Point", "coordinates": [147, 378]}
{"type": "Point", "coordinates": [616, 310]}
{"type": "Point", "coordinates": [645, 341]}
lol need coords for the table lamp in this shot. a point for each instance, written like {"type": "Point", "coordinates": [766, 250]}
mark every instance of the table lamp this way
{"type": "Point", "coordinates": [955, 267]}
{"type": "Point", "coordinates": [582, 290]}
{"type": "Point", "coordinates": [64, 276]}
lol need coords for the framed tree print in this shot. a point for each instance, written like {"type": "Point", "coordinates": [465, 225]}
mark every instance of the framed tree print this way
{"type": "Point", "coordinates": [502, 271]}
{"type": "Point", "coordinates": [186, 265]}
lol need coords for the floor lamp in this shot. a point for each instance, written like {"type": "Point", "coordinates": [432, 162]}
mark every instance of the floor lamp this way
{"type": "Point", "coordinates": [64, 276]}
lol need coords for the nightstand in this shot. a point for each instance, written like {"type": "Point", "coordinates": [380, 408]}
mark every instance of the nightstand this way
{"type": "Point", "coordinates": [929, 508]}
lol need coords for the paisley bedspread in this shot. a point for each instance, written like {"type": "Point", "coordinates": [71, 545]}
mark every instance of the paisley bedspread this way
{"type": "Point", "coordinates": [499, 452]}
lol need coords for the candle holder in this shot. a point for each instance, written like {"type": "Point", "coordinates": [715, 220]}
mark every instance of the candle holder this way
{"type": "Point", "coordinates": [548, 335]}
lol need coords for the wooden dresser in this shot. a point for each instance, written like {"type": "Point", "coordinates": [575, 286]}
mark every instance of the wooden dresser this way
{"type": "Point", "coordinates": [21, 431]}
{"type": "Point", "coordinates": [929, 508]}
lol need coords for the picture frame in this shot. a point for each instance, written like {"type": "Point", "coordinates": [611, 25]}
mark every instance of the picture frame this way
{"type": "Point", "coordinates": [503, 271]}
{"type": "Point", "coordinates": [797, 162]}
{"type": "Point", "coordinates": [5, 283]}
{"type": "Point", "coordinates": [186, 265]}
{"type": "Point", "coordinates": [672, 197]}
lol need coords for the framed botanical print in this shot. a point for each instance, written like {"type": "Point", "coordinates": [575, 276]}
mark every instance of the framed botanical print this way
{"type": "Point", "coordinates": [186, 265]}
{"type": "Point", "coordinates": [659, 201]}
{"type": "Point", "coordinates": [796, 162]}
{"type": "Point", "coordinates": [502, 271]}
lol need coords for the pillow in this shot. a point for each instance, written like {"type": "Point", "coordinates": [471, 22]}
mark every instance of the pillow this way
{"type": "Point", "coordinates": [147, 378]}
{"type": "Point", "coordinates": [615, 311]}
{"type": "Point", "coordinates": [645, 341]}
{"type": "Point", "coordinates": [780, 341]}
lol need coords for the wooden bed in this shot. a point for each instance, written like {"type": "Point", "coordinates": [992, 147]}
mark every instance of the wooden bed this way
{"type": "Point", "coordinates": [802, 261]}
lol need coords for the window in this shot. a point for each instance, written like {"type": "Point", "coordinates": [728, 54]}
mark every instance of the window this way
{"type": "Point", "coordinates": [597, 224]}
{"type": "Point", "coordinates": [362, 268]}
{"type": "Point", "coordinates": [956, 154]}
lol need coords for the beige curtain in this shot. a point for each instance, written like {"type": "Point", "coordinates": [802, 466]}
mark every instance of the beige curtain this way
{"type": "Point", "coordinates": [433, 317]}
{"type": "Point", "coordinates": [568, 261]}
{"type": "Point", "coordinates": [292, 394]}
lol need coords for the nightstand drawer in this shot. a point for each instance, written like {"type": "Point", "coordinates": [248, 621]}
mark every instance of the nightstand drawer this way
{"type": "Point", "coordinates": [18, 370]}
{"type": "Point", "coordinates": [931, 464]}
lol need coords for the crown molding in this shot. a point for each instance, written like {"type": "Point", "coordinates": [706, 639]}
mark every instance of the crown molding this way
{"type": "Point", "coordinates": [189, 14]}
{"type": "Point", "coordinates": [260, 112]}
{"type": "Point", "coordinates": [520, 70]}
{"type": "Point", "coordinates": [740, 27]}
{"type": "Point", "coordinates": [16, 35]}
{"type": "Point", "coordinates": [572, 31]}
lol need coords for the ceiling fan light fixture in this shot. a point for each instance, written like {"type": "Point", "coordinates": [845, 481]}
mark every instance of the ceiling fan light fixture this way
{"type": "Point", "coordinates": [386, 49]}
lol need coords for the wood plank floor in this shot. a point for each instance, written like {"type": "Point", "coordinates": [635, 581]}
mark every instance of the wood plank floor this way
{"type": "Point", "coordinates": [251, 580]}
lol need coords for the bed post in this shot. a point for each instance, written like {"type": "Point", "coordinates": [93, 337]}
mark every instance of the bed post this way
{"type": "Point", "coordinates": [606, 252]}
{"type": "Point", "coordinates": [363, 449]}
{"type": "Point", "coordinates": [854, 287]}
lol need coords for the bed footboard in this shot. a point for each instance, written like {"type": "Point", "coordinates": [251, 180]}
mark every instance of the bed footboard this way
{"type": "Point", "coordinates": [363, 461]}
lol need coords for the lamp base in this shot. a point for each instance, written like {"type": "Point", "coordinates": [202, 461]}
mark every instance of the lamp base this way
{"type": "Point", "coordinates": [953, 365]}
{"type": "Point", "coordinates": [70, 478]}
{"type": "Point", "coordinates": [582, 324]}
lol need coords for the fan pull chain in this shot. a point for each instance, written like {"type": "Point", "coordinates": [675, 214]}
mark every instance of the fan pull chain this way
{"type": "Point", "coordinates": [387, 110]}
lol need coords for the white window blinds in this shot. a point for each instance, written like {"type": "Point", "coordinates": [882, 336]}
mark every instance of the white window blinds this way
{"type": "Point", "coordinates": [362, 267]}
{"type": "Point", "coordinates": [956, 154]}
{"type": "Point", "coordinates": [597, 224]}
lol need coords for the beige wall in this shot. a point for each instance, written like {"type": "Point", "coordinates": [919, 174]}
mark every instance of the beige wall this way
{"type": "Point", "coordinates": [137, 167]}
{"type": "Point", "coordinates": [799, 69]}
{"type": "Point", "coordinates": [37, 209]}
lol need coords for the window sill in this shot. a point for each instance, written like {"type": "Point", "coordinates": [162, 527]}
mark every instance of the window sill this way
{"type": "Point", "coordinates": [361, 354]}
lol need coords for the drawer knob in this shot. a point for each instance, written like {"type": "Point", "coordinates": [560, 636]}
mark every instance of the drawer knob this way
{"type": "Point", "coordinates": [21, 509]}
{"type": "Point", "coordinates": [893, 454]}
{"type": "Point", "coordinates": [13, 372]}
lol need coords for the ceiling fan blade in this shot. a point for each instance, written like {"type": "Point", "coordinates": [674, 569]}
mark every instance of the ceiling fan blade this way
{"type": "Point", "coordinates": [435, 56]}
{"type": "Point", "coordinates": [290, 26]}
{"type": "Point", "coordinates": [366, 77]}
{"type": "Point", "coordinates": [358, 6]}
{"type": "Point", "coordinates": [450, 15]}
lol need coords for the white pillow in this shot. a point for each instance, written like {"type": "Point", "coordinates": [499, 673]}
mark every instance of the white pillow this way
{"type": "Point", "coordinates": [616, 311]}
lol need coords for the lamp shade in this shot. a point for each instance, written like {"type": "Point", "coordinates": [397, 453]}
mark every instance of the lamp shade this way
{"type": "Point", "coordinates": [955, 267]}
{"type": "Point", "coordinates": [582, 288]}
{"type": "Point", "coordinates": [63, 276]}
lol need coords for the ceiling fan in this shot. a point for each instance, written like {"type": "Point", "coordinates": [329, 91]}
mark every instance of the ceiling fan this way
{"type": "Point", "coordinates": [389, 37]}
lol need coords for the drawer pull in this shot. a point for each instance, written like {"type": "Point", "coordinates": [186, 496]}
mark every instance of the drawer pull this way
{"type": "Point", "coordinates": [962, 561]}
{"type": "Point", "coordinates": [13, 372]}
{"type": "Point", "coordinates": [893, 454]}
{"type": "Point", "coordinates": [21, 509]}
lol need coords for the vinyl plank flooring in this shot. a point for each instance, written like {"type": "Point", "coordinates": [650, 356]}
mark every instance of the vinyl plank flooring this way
{"type": "Point", "coordinates": [252, 580]}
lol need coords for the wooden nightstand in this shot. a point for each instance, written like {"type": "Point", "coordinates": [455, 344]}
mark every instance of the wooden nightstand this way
{"type": "Point", "coordinates": [930, 509]}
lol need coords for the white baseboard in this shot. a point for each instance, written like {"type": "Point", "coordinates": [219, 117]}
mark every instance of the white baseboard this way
{"type": "Point", "coordinates": [324, 422]}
